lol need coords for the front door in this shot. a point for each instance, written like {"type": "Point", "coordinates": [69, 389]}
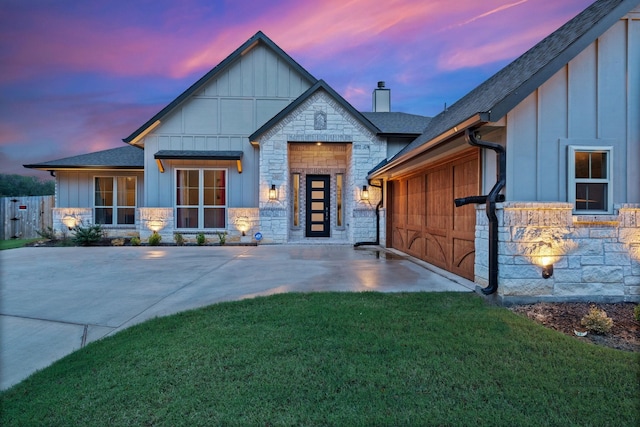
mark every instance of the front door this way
{"type": "Point", "coordinates": [318, 206]}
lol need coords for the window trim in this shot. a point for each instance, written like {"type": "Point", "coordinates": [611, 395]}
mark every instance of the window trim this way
{"type": "Point", "coordinates": [115, 206]}
{"type": "Point", "coordinates": [572, 180]}
{"type": "Point", "coordinates": [201, 206]}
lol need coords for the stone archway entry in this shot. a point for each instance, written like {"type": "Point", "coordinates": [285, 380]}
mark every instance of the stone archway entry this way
{"type": "Point", "coordinates": [318, 207]}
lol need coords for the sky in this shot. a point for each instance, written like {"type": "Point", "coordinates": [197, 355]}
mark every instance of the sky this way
{"type": "Point", "coordinates": [78, 76]}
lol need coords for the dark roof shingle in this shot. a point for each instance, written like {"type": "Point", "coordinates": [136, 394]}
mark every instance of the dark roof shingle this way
{"type": "Point", "coordinates": [127, 157]}
{"type": "Point", "coordinates": [494, 98]}
{"type": "Point", "coordinates": [398, 123]}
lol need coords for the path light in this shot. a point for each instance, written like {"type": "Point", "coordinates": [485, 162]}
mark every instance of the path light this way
{"type": "Point", "coordinates": [273, 193]}
{"type": "Point", "coordinates": [364, 194]}
{"type": "Point", "coordinates": [547, 267]}
{"type": "Point", "coordinates": [242, 223]}
{"type": "Point", "coordinates": [70, 221]}
{"type": "Point", "coordinates": [155, 225]}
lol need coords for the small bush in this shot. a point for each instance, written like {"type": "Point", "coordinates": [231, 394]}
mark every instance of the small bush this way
{"type": "Point", "coordinates": [86, 236]}
{"type": "Point", "coordinates": [154, 239]}
{"type": "Point", "coordinates": [597, 321]}
{"type": "Point", "coordinates": [179, 239]}
{"type": "Point", "coordinates": [135, 241]}
{"type": "Point", "coordinates": [117, 242]}
{"type": "Point", "coordinates": [636, 312]}
{"type": "Point", "coordinates": [222, 237]}
{"type": "Point", "coordinates": [48, 233]}
{"type": "Point", "coordinates": [200, 239]}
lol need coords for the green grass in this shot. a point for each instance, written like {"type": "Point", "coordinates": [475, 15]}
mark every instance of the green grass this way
{"type": "Point", "coordinates": [342, 359]}
{"type": "Point", "coordinates": [15, 243]}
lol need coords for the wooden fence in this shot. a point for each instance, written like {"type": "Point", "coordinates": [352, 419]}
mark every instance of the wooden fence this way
{"type": "Point", "coordinates": [23, 217]}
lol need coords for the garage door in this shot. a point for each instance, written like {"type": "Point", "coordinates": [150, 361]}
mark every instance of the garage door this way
{"type": "Point", "coordinates": [424, 221]}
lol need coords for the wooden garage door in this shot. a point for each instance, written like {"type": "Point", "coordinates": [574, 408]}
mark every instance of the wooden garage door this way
{"type": "Point", "coordinates": [424, 221]}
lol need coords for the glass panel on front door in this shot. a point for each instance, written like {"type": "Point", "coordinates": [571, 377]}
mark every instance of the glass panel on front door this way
{"type": "Point", "coordinates": [318, 207]}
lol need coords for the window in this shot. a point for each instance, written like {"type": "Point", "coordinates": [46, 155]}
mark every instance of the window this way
{"type": "Point", "coordinates": [339, 200]}
{"type": "Point", "coordinates": [295, 185]}
{"type": "Point", "coordinates": [115, 200]}
{"type": "Point", "coordinates": [590, 180]}
{"type": "Point", "coordinates": [201, 198]}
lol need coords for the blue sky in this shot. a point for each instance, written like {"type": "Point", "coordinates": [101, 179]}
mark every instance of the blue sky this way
{"type": "Point", "coordinates": [78, 76]}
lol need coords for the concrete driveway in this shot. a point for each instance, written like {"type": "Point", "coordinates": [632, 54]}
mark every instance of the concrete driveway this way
{"type": "Point", "coordinates": [54, 301]}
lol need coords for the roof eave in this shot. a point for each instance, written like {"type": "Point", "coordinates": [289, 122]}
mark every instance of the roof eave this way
{"type": "Point", "coordinates": [319, 85]}
{"type": "Point", "coordinates": [442, 138]}
{"type": "Point", "coordinates": [83, 167]}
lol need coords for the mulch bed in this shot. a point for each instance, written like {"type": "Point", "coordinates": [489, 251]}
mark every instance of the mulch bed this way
{"type": "Point", "coordinates": [565, 318]}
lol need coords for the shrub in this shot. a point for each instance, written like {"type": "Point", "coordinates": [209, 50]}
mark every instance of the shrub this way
{"type": "Point", "coordinates": [89, 235]}
{"type": "Point", "coordinates": [135, 241]}
{"type": "Point", "coordinates": [200, 239]}
{"type": "Point", "coordinates": [222, 237]}
{"type": "Point", "coordinates": [179, 239]}
{"type": "Point", "coordinates": [48, 233]}
{"type": "Point", "coordinates": [597, 321]}
{"type": "Point", "coordinates": [636, 312]}
{"type": "Point", "coordinates": [154, 239]}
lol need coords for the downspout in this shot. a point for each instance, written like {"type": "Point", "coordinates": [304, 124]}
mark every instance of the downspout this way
{"type": "Point", "coordinates": [490, 200]}
{"type": "Point", "coordinates": [378, 206]}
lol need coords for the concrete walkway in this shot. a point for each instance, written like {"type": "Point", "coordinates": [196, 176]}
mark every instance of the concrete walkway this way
{"type": "Point", "coordinates": [54, 301]}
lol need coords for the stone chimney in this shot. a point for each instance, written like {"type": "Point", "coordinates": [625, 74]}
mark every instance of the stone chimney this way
{"type": "Point", "coordinates": [381, 99]}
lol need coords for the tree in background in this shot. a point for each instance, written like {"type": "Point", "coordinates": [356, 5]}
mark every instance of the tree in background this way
{"type": "Point", "coordinates": [19, 185]}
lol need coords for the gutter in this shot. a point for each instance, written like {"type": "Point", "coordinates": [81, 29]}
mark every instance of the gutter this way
{"type": "Point", "coordinates": [490, 200]}
{"type": "Point", "coordinates": [441, 138]}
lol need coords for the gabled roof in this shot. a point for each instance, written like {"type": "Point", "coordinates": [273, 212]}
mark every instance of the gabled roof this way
{"type": "Point", "coordinates": [320, 85]}
{"type": "Point", "coordinates": [128, 157]}
{"type": "Point", "coordinates": [498, 95]}
{"type": "Point", "coordinates": [258, 38]}
{"type": "Point", "coordinates": [392, 123]}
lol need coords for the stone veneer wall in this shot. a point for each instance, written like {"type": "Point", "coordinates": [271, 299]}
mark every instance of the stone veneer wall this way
{"type": "Point", "coordinates": [595, 257]}
{"type": "Point", "coordinates": [82, 216]}
{"type": "Point", "coordinates": [366, 151]}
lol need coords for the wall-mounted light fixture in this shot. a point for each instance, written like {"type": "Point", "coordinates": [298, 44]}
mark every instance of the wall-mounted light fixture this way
{"type": "Point", "coordinates": [547, 271]}
{"type": "Point", "coordinates": [70, 221]}
{"type": "Point", "coordinates": [364, 194]}
{"type": "Point", "coordinates": [273, 193]}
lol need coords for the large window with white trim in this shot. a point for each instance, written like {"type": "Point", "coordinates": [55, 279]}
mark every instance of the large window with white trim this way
{"type": "Point", "coordinates": [201, 198]}
{"type": "Point", "coordinates": [590, 179]}
{"type": "Point", "coordinates": [115, 200]}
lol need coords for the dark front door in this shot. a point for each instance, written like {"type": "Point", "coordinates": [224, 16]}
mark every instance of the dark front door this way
{"type": "Point", "coordinates": [318, 206]}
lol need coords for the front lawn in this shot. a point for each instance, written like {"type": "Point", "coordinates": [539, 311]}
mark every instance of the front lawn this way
{"type": "Point", "coordinates": [335, 359]}
{"type": "Point", "coordinates": [15, 243]}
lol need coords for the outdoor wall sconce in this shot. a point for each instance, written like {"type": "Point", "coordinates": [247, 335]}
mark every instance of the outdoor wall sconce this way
{"type": "Point", "coordinates": [70, 221]}
{"type": "Point", "coordinates": [547, 271]}
{"type": "Point", "coordinates": [364, 194]}
{"type": "Point", "coordinates": [273, 193]}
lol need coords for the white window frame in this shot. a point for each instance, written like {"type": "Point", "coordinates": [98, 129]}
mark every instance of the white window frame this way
{"type": "Point", "coordinates": [115, 206]}
{"type": "Point", "coordinates": [572, 180]}
{"type": "Point", "coordinates": [201, 206]}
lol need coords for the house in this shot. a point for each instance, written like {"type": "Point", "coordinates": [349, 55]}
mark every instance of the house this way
{"type": "Point", "coordinates": [257, 148]}
{"type": "Point", "coordinates": [543, 161]}
{"type": "Point", "coordinates": [529, 185]}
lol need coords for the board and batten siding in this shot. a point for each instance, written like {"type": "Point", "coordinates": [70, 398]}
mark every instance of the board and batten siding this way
{"type": "Point", "coordinates": [76, 188]}
{"type": "Point", "coordinates": [594, 99]}
{"type": "Point", "coordinates": [221, 116]}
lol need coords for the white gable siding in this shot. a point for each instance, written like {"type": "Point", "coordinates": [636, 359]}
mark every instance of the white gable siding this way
{"type": "Point", "coordinates": [595, 99]}
{"type": "Point", "coordinates": [221, 116]}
